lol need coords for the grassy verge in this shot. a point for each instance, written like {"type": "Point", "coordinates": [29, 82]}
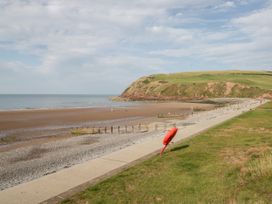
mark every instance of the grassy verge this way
{"type": "Point", "coordinates": [231, 163]}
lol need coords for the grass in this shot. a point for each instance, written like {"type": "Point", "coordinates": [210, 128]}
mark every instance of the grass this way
{"type": "Point", "coordinates": [261, 80]}
{"type": "Point", "coordinates": [85, 131]}
{"type": "Point", "coordinates": [231, 163]}
{"type": "Point", "coordinates": [9, 139]}
{"type": "Point", "coordinates": [261, 167]}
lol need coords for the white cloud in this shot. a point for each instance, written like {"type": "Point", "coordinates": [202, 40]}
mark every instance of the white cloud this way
{"type": "Point", "coordinates": [121, 40]}
{"type": "Point", "coordinates": [244, 43]}
{"type": "Point", "coordinates": [13, 66]}
{"type": "Point", "coordinates": [226, 5]}
{"type": "Point", "coordinates": [257, 24]}
{"type": "Point", "coordinates": [176, 35]}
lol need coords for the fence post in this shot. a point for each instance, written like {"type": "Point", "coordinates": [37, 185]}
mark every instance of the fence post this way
{"type": "Point", "coordinates": [111, 129]}
{"type": "Point", "coordinates": [119, 129]}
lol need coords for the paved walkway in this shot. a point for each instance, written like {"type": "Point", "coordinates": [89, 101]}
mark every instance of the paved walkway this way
{"type": "Point", "coordinates": [47, 187]}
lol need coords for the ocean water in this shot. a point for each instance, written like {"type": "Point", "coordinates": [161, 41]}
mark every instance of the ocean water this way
{"type": "Point", "coordinates": [51, 101]}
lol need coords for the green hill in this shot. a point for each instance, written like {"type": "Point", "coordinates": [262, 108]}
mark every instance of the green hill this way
{"type": "Point", "coordinates": [200, 85]}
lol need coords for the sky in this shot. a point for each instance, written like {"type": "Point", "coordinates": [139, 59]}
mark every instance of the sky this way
{"type": "Point", "coordinates": [101, 46]}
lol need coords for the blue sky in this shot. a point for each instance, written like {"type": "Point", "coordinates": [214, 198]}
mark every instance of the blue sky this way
{"type": "Point", "coordinates": [101, 46]}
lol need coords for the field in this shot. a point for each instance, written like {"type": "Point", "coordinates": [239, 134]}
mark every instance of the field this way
{"type": "Point", "coordinates": [231, 163]}
{"type": "Point", "coordinates": [262, 80]}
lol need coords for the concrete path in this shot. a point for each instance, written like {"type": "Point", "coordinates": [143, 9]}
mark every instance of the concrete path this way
{"type": "Point", "coordinates": [47, 187]}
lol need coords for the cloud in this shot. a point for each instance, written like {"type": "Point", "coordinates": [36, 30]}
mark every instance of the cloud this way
{"type": "Point", "coordinates": [256, 25]}
{"type": "Point", "coordinates": [113, 42]}
{"type": "Point", "coordinates": [226, 5]}
{"type": "Point", "coordinates": [243, 43]}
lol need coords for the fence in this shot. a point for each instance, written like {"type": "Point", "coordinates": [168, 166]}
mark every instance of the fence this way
{"type": "Point", "coordinates": [125, 129]}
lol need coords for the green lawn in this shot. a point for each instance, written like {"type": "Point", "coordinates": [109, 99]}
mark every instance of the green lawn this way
{"type": "Point", "coordinates": [261, 79]}
{"type": "Point", "coordinates": [231, 163]}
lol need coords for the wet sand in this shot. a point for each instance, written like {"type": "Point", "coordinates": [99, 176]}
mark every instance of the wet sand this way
{"type": "Point", "coordinates": [43, 125]}
{"type": "Point", "coordinates": [10, 120]}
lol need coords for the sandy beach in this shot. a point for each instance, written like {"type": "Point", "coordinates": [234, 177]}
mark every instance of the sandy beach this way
{"type": "Point", "coordinates": [35, 143]}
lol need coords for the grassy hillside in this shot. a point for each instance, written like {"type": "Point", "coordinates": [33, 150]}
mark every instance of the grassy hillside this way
{"type": "Point", "coordinates": [231, 163]}
{"type": "Point", "coordinates": [198, 85]}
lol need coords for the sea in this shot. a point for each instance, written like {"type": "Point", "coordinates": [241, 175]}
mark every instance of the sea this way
{"type": "Point", "coordinates": [55, 101]}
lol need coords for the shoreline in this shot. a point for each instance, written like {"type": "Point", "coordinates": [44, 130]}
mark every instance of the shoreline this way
{"type": "Point", "coordinates": [10, 120]}
{"type": "Point", "coordinates": [130, 103]}
{"type": "Point", "coordinates": [33, 149]}
{"type": "Point", "coordinates": [67, 108]}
